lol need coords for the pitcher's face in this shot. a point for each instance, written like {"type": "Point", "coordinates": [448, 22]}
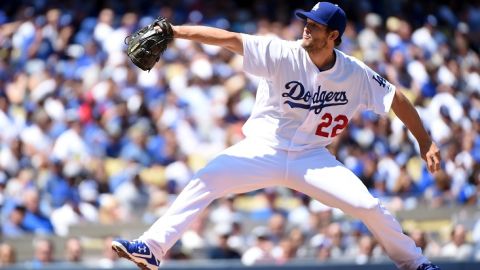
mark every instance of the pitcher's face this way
{"type": "Point", "coordinates": [315, 36]}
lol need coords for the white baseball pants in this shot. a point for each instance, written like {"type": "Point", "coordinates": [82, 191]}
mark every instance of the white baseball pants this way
{"type": "Point", "coordinates": [249, 166]}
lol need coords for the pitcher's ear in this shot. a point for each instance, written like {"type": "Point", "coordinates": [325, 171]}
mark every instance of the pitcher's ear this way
{"type": "Point", "coordinates": [334, 35]}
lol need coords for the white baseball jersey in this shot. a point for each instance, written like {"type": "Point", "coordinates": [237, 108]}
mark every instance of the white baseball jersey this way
{"type": "Point", "coordinates": [300, 107]}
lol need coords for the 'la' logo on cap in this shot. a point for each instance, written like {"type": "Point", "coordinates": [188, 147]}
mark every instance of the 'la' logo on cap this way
{"type": "Point", "coordinates": [316, 7]}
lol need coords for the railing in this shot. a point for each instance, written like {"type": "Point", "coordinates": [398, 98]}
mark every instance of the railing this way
{"type": "Point", "coordinates": [235, 265]}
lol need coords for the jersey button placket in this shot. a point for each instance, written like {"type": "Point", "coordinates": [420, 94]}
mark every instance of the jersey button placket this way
{"type": "Point", "coordinates": [304, 128]}
{"type": "Point", "coordinates": [312, 118]}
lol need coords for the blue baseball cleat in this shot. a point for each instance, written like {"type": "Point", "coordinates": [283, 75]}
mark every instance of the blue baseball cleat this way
{"type": "Point", "coordinates": [136, 251]}
{"type": "Point", "coordinates": [428, 266]}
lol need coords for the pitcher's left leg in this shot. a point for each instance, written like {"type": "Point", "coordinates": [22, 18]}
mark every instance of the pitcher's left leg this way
{"type": "Point", "coordinates": [319, 175]}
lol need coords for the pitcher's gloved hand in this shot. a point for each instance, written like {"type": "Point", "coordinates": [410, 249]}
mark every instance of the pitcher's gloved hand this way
{"type": "Point", "coordinates": [147, 44]}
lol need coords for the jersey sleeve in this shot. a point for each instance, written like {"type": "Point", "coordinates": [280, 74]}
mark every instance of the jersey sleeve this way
{"type": "Point", "coordinates": [380, 92]}
{"type": "Point", "coordinates": [261, 55]}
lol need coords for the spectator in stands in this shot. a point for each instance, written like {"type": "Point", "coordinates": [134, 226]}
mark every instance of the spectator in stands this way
{"type": "Point", "coordinates": [379, 189]}
{"type": "Point", "coordinates": [458, 248]}
{"type": "Point", "coordinates": [3, 183]}
{"type": "Point", "coordinates": [12, 227]}
{"type": "Point", "coordinates": [260, 252]}
{"type": "Point", "coordinates": [8, 255]}
{"type": "Point", "coordinates": [237, 239]}
{"type": "Point", "coordinates": [221, 249]}
{"type": "Point", "coordinates": [335, 237]}
{"type": "Point", "coordinates": [104, 27]}
{"type": "Point", "coordinates": [297, 238]}
{"type": "Point", "coordinates": [476, 239]}
{"type": "Point", "coordinates": [35, 136]}
{"type": "Point", "coordinates": [321, 218]}
{"type": "Point", "coordinates": [70, 145]}
{"type": "Point", "coordinates": [193, 241]}
{"type": "Point", "coordinates": [440, 194]}
{"type": "Point", "coordinates": [429, 247]}
{"type": "Point", "coordinates": [110, 210]}
{"type": "Point", "coordinates": [224, 211]}
{"type": "Point", "coordinates": [35, 221]}
{"type": "Point", "coordinates": [136, 147]}
{"type": "Point", "coordinates": [276, 227]}
{"type": "Point", "coordinates": [369, 39]}
{"type": "Point", "coordinates": [73, 250]}
{"type": "Point", "coordinates": [57, 187]}
{"type": "Point", "coordinates": [17, 186]}
{"type": "Point", "coordinates": [157, 205]}
{"type": "Point", "coordinates": [43, 253]}
{"type": "Point", "coordinates": [323, 252]}
{"type": "Point", "coordinates": [285, 251]}
{"type": "Point", "coordinates": [7, 120]}
{"type": "Point", "coordinates": [366, 245]}
{"type": "Point", "coordinates": [404, 186]}
{"type": "Point", "coordinates": [109, 257]}
{"type": "Point", "coordinates": [267, 207]}
{"type": "Point", "coordinates": [297, 216]}
{"type": "Point", "coordinates": [397, 71]}
{"type": "Point", "coordinates": [352, 240]}
{"type": "Point", "coordinates": [70, 213]}
{"type": "Point", "coordinates": [133, 195]}
{"type": "Point", "coordinates": [427, 37]}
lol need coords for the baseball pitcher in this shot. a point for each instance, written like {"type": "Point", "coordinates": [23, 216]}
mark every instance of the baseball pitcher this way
{"type": "Point", "coordinates": [308, 94]}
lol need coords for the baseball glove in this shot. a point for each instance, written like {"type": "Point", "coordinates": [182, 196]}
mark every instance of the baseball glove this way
{"type": "Point", "coordinates": [146, 45]}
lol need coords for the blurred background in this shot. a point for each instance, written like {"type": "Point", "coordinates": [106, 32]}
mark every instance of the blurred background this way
{"type": "Point", "coordinates": [92, 148]}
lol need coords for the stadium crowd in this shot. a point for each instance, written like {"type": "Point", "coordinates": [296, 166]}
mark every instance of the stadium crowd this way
{"type": "Point", "coordinates": [86, 137]}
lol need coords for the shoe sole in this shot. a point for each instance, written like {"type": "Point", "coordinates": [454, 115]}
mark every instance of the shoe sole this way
{"type": "Point", "coordinates": [121, 252]}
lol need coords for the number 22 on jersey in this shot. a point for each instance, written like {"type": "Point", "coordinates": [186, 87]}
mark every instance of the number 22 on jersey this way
{"type": "Point", "coordinates": [339, 123]}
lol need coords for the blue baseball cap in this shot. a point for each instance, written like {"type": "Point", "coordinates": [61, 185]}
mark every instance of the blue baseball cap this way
{"type": "Point", "coordinates": [327, 14]}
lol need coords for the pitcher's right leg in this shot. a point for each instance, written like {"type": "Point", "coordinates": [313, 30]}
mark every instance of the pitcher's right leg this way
{"type": "Point", "coordinates": [244, 167]}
